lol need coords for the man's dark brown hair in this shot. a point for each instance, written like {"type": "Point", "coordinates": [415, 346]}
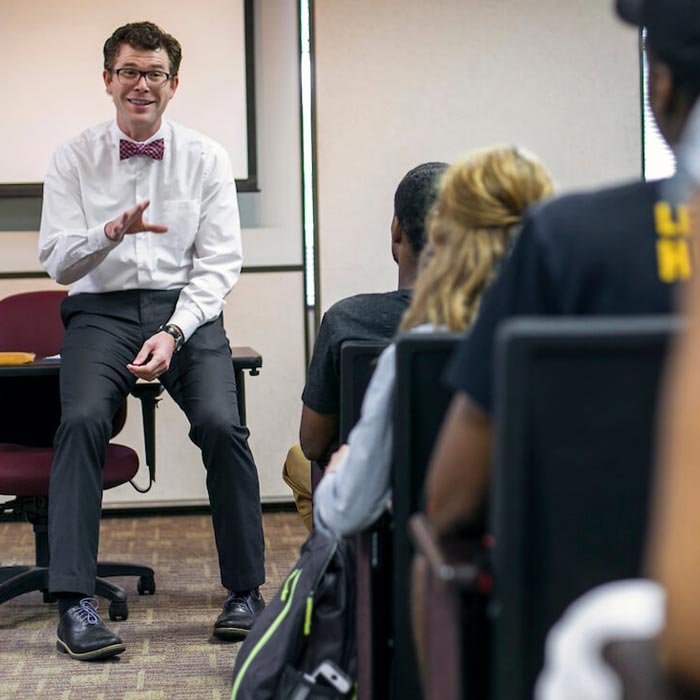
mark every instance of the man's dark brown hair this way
{"type": "Point", "coordinates": [146, 36]}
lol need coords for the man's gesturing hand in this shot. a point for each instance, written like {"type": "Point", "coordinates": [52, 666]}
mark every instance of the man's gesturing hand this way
{"type": "Point", "coordinates": [131, 221]}
{"type": "Point", "coordinates": [154, 357]}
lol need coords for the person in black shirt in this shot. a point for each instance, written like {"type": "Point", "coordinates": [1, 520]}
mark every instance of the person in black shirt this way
{"type": "Point", "coordinates": [360, 317]}
{"type": "Point", "coordinates": [366, 316]}
{"type": "Point", "coordinates": [612, 252]}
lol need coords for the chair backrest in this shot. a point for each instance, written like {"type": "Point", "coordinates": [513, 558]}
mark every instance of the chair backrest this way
{"type": "Point", "coordinates": [575, 407]}
{"type": "Point", "coordinates": [358, 359]}
{"type": "Point", "coordinates": [31, 410]}
{"type": "Point", "coordinates": [421, 402]}
{"type": "Point", "coordinates": [31, 322]}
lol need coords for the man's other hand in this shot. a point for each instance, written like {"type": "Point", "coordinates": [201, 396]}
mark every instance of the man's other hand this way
{"type": "Point", "coordinates": [131, 221]}
{"type": "Point", "coordinates": [154, 357]}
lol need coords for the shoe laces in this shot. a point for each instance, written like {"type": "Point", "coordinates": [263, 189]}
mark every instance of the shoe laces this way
{"type": "Point", "coordinates": [238, 599]}
{"type": "Point", "coordinates": [87, 611]}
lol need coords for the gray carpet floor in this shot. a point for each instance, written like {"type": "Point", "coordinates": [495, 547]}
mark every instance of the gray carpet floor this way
{"type": "Point", "coordinates": [170, 651]}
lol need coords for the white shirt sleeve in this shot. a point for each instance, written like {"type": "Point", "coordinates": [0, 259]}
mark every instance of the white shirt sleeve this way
{"type": "Point", "coordinates": [574, 667]}
{"type": "Point", "coordinates": [68, 249]}
{"type": "Point", "coordinates": [353, 497]}
{"type": "Point", "coordinates": [218, 254]}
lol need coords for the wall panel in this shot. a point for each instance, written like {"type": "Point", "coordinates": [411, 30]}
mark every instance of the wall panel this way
{"type": "Point", "coordinates": [399, 82]}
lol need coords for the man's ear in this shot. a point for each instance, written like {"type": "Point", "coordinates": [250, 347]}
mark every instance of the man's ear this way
{"type": "Point", "coordinates": [174, 82]}
{"type": "Point", "coordinates": [661, 89]}
{"type": "Point", "coordinates": [107, 77]}
{"type": "Point", "coordinates": [397, 232]}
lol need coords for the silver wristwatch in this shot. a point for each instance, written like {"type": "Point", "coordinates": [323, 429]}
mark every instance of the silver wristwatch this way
{"type": "Point", "coordinates": [175, 332]}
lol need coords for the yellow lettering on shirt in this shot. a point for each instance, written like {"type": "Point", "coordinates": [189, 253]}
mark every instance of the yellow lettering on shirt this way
{"type": "Point", "coordinates": [673, 260]}
{"type": "Point", "coordinates": [670, 223]}
{"type": "Point", "coordinates": [674, 254]}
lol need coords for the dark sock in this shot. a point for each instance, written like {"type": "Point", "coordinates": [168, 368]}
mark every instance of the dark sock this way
{"type": "Point", "coordinates": [67, 599]}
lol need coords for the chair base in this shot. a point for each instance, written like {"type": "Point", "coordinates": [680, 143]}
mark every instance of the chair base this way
{"type": "Point", "coordinates": [17, 580]}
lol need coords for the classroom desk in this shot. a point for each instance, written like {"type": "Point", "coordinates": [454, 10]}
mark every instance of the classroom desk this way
{"type": "Point", "coordinates": [244, 359]}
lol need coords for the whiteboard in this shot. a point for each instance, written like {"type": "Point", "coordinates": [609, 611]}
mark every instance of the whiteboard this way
{"type": "Point", "coordinates": [51, 74]}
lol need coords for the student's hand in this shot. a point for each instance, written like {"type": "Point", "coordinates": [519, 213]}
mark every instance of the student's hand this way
{"type": "Point", "coordinates": [337, 458]}
{"type": "Point", "coordinates": [131, 221]}
{"type": "Point", "coordinates": [154, 357]}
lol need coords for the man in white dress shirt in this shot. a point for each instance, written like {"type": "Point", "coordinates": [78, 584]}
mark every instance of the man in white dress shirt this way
{"type": "Point", "coordinates": [140, 215]}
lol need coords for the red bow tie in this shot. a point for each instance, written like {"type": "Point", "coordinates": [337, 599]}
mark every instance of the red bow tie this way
{"type": "Point", "coordinates": [154, 149]}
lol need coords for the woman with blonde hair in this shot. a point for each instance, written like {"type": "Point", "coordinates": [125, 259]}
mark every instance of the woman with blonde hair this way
{"type": "Point", "coordinates": [478, 211]}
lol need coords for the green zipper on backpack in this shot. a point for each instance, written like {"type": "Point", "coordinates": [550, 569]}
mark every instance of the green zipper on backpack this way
{"type": "Point", "coordinates": [287, 595]}
{"type": "Point", "coordinates": [312, 593]}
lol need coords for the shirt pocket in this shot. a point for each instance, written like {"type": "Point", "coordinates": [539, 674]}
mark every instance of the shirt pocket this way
{"type": "Point", "coordinates": [181, 216]}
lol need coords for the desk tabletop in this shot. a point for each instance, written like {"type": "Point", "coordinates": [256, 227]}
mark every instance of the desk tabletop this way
{"type": "Point", "coordinates": [243, 356]}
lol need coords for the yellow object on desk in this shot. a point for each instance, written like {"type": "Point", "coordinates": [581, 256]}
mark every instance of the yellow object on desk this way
{"type": "Point", "coordinates": [16, 358]}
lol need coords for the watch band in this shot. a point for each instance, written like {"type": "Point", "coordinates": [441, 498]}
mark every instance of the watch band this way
{"type": "Point", "coordinates": [175, 332]}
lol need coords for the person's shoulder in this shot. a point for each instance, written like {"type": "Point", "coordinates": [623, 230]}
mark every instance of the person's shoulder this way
{"type": "Point", "coordinates": [184, 136]}
{"type": "Point", "coordinates": [582, 206]}
{"type": "Point", "coordinates": [571, 214]}
{"type": "Point", "coordinates": [358, 304]}
{"type": "Point", "coordinates": [85, 140]}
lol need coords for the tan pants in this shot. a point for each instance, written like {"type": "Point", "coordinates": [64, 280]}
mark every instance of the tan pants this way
{"type": "Point", "coordinates": [297, 475]}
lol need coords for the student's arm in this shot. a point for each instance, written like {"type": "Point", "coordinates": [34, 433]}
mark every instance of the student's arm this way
{"type": "Point", "coordinates": [459, 470]}
{"type": "Point", "coordinates": [318, 433]}
{"type": "Point", "coordinates": [675, 550]}
{"type": "Point", "coordinates": [320, 416]}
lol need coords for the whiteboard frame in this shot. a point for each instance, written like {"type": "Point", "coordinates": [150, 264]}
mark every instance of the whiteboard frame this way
{"type": "Point", "coordinates": [249, 184]}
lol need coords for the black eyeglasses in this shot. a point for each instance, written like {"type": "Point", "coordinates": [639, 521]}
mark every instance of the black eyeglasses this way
{"type": "Point", "coordinates": [131, 76]}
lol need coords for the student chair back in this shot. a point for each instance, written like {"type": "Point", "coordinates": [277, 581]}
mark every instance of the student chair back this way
{"type": "Point", "coordinates": [575, 403]}
{"type": "Point", "coordinates": [358, 359]}
{"type": "Point", "coordinates": [421, 402]}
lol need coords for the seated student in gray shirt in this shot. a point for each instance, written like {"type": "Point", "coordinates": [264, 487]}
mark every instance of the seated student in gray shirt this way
{"type": "Point", "coordinates": [478, 211]}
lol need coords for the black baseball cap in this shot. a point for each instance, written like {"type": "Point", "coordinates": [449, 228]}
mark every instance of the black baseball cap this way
{"type": "Point", "coordinates": [673, 32]}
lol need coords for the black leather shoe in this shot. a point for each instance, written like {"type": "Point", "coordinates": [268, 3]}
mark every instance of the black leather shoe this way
{"type": "Point", "coordinates": [239, 614]}
{"type": "Point", "coordinates": [82, 634]}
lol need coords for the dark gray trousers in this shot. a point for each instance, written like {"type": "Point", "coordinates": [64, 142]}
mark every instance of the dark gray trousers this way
{"type": "Point", "coordinates": [104, 332]}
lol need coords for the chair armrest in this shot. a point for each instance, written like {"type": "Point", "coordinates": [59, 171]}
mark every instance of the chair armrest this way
{"type": "Point", "coordinates": [148, 394]}
{"type": "Point", "coordinates": [452, 560]}
{"type": "Point", "coordinates": [246, 358]}
{"type": "Point", "coordinates": [451, 586]}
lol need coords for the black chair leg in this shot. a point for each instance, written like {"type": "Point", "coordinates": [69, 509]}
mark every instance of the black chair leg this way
{"type": "Point", "coordinates": [33, 578]}
{"type": "Point", "coordinates": [106, 569]}
{"type": "Point", "coordinates": [146, 584]}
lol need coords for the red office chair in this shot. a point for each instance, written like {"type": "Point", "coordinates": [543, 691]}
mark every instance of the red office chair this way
{"type": "Point", "coordinates": [29, 416]}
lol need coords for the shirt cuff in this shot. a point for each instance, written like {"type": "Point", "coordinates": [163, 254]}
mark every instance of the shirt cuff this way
{"type": "Point", "coordinates": [98, 241]}
{"type": "Point", "coordinates": [186, 321]}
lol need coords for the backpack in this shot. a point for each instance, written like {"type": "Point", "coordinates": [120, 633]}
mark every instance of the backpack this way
{"type": "Point", "coordinates": [303, 643]}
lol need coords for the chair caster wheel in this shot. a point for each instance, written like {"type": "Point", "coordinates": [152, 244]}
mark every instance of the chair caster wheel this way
{"type": "Point", "coordinates": [146, 585]}
{"type": "Point", "coordinates": [48, 597]}
{"type": "Point", "coordinates": [118, 610]}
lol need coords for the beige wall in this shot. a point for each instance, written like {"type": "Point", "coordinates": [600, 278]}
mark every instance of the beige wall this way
{"type": "Point", "coordinates": [404, 81]}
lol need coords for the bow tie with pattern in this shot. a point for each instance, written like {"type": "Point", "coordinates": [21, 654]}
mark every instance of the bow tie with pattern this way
{"type": "Point", "coordinates": [154, 149]}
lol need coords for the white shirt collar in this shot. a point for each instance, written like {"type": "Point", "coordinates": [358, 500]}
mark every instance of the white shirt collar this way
{"type": "Point", "coordinates": [118, 134]}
